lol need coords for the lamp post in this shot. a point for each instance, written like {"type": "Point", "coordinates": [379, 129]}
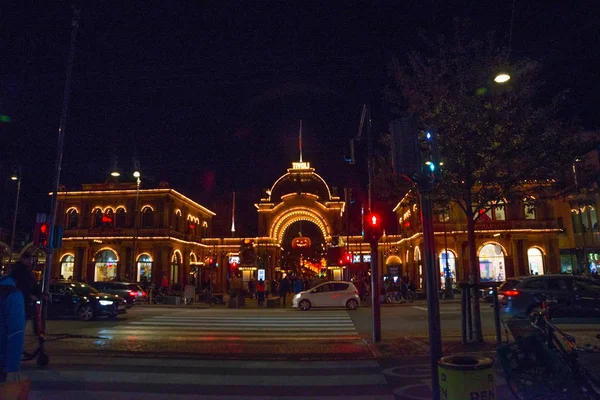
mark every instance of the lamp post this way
{"type": "Point", "coordinates": [16, 176]}
{"type": "Point", "coordinates": [136, 175]}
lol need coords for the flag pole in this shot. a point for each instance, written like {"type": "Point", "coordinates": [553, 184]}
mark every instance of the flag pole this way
{"type": "Point", "coordinates": [300, 140]}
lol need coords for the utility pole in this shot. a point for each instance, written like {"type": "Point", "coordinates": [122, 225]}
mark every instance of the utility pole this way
{"type": "Point", "coordinates": [15, 177]}
{"type": "Point", "coordinates": [59, 155]}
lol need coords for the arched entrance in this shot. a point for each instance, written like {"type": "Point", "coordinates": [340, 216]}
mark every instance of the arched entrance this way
{"type": "Point", "coordinates": [176, 260]}
{"type": "Point", "coordinates": [67, 265]}
{"type": "Point", "coordinates": [105, 265]}
{"type": "Point", "coordinates": [536, 261]}
{"type": "Point", "coordinates": [144, 268]}
{"type": "Point", "coordinates": [491, 263]}
{"type": "Point", "coordinates": [303, 249]}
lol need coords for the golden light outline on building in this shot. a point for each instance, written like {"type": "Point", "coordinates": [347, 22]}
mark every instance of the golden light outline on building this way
{"type": "Point", "coordinates": [71, 209]}
{"type": "Point", "coordinates": [97, 208]}
{"type": "Point", "coordinates": [178, 212]}
{"type": "Point", "coordinates": [121, 207]}
{"type": "Point", "coordinates": [504, 252]}
{"type": "Point", "coordinates": [284, 220]}
{"type": "Point", "coordinates": [309, 171]}
{"type": "Point", "coordinates": [174, 256]}
{"type": "Point", "coordinates": [538, 247]}
{"type": "Point", "coordinates": [133, 192]}
{"type": "Point", "coordinates": [146, 206]}
{"type": "Point", "coordinates": [106, 248]}
{"type": "Point", "coordinates": [144, 254]}
{"type": "Point", "coordinates": [66, 255]}
{"type": "Point", "coordinates": [156, 238]}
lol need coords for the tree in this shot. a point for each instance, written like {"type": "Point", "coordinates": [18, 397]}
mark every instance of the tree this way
{"type": "Point", "coordinates": [491, 138]}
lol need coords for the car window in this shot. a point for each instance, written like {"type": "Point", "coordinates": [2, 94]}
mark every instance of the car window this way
{"type": "Point", "coordinates": [508, 285]}
{"type": "Point", "coordinates": [557, 284]}
{"type": "Point", "coordinates": [60, 289]}
{"type": "Point", "coordinates": [322, 288]}
{"type": "Point", "coordinates": [585, 286]}
{"type": "Point", "coordinates": [133, 287]}
{"type": "Point", "coordinates": [82, 289]}
{"type": "Point", "coordinates": [535, 284]}
{"type": "Point", "coordinates": [339, 286]}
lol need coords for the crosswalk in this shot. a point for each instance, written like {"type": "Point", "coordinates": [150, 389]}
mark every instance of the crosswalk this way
{"type": "Point", "coordinates": [116, 378]}
{"type": "Point", "coordinates": [241, 324]}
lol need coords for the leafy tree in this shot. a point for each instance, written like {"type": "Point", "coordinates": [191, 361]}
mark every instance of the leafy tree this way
{"type": "Point", "coordinates": [491, 137]}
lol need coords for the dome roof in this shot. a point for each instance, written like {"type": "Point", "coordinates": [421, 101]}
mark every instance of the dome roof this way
{"type": "Point", "coordinates": [298, 180]}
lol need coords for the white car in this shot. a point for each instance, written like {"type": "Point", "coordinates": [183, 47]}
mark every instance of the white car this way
{"type": "Point", "coordinates": [328, 294]}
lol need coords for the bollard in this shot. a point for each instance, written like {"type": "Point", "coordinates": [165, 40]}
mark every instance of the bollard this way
{"type": "Point", "coordinates": [497, 314]}
{"type": "Point", "coordinates": [466, 377]}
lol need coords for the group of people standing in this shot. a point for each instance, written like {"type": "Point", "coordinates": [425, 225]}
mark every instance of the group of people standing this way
{"type": "Point", "coordinates": [282, 287]}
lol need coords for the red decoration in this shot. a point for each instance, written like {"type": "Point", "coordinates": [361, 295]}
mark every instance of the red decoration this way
{"type": "Point", "coordinates": [106, 219]}
{"type": "Point", "coordinates": [301, 242]}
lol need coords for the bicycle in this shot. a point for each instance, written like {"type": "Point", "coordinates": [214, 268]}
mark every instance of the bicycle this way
{"type": "Point", "coordinates": [538, 365]}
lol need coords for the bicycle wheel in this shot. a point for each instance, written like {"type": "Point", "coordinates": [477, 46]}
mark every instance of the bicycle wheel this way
{"type": "Point", "coordinates": [160, 299]}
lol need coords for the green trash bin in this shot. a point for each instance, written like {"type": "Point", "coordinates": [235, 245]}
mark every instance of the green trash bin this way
{"type": "Point", "coordinates": [467, 377]}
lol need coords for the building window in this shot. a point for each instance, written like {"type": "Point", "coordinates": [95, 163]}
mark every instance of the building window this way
{"type": "Point", "coordinates": [97, 217]}
{"type": "Point", "coordinates": [175, 264]}
{"type": "Point", "coordinates": [491, 263]}
{"type": "Point", "coordinates": [105, 263]}
{"type": "Point", "coordinates": [120, 219]}
{"type": "Point", "coordinates": [536, 261]}
{"type": "Point", "coordinates": [449, 268]}
{"type": "Point", "coordinates": [67, 265]}
{"type": "Point", "coordinates": [530, 210]}
{"type": "Point", "coordinates": [144, 269]}
{"type": "Point", "coordinates": [178, 219]}
{"type": "Point", "coordinates": [108, 218]}
{"type": "Point", "coordinates": [147, 217]}
{"type": "Point", "coordinates": [72, 219]}
{"type": "Point", "coordinates": [495, 212]}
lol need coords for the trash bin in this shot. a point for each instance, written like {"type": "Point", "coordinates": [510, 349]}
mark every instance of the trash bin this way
{"type": "Point", "coordinates": [467, 377]}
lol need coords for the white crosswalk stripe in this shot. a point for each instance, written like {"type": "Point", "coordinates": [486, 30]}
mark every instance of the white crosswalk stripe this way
{"type": "Point", "coordinates": [244, 324]}
{"type": "Point", "coordinates": [183, 379]}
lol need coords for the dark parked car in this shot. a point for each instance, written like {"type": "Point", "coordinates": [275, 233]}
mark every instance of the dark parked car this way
{"type": "Point", "coordinates": [575, 296]}
{"type": "Point", "coordinates": [77, 299]}
{"type": "Point", "coordinates": [130, 292]}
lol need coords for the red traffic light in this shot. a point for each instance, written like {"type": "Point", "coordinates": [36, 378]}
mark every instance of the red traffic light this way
{"type": "Point", "coordinates": [374, 219]}
{"type": "Point", "coordinates": [44, 228]}
{"type": "Point", "coordinates": [373, 228]}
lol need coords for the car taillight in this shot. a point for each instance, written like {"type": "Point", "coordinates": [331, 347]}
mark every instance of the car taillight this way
{"type": "Point", "coordinates": [132, 293]}
{"type": "Point", "coordinates": [511, 293]}
{"type": "Point", "coordinates": [140, 293]}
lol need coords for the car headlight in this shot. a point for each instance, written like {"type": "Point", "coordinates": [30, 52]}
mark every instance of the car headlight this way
{"type": "Point", "coordinates": [297, 296]}
{"type": "Point", "coordinates": [106, 302]}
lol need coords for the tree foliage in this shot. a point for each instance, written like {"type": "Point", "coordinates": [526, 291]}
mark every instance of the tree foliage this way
{"type": "Point", "coordinates": [491, 137]}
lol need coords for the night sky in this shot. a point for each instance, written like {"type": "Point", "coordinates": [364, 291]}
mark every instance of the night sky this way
{"type": "Point", "coordinates": [208, 95]}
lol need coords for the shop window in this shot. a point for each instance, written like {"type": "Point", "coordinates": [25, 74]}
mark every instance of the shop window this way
{"type": "Point", "coordinates": [72, 219]}
{"type": "Point", "coordinates": [144, 268]}
{"type": "Point", "coordinates": [105, 263]}
{"type": "Point", "coordinates": [536, 261]}
{"type": "Point", "coordinates": [491, 263]}
{"type": "Point", "coordinates": [97, 218]}
{"type": "Point", "coordinates": [447, 261]}
{"type": "Point", "coordinates": [147, 217]}
{"type": "Point", "coordinates": [120, 219]}
{"type": "Point", "coordinates": [67, 265]}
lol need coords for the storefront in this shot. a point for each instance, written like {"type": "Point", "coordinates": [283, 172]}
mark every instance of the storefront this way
{"type": "Point", "coordinates": [491, 263]}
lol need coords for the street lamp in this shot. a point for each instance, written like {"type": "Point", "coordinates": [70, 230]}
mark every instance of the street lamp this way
{"type": "Point", "coordinates": [136, 175]}
{"type": "Point", "coordinates": [502, 77]}
{"type": "Point", "coordinates": [16, 176]}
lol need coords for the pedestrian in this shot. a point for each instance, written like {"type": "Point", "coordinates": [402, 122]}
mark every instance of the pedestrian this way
{"type": "Point", "coordinates": [251, 288]}
{"type": "Point", "coordinates": [274, 287]}
{"type": "Point", "coordinates": [362, 290]}
{"type": "Point", "coordinates": [12, 329]}
{"type": "Point", "coordinates": [298, 286]}
{"type": "Point", "coordinates": [260, 290]}
{"type": "Point", "coordinates": [164, 285]}
{"type": "Point", "coordinates": [284, 288]}
{"type": "Point", "coordinates": [22, 275]}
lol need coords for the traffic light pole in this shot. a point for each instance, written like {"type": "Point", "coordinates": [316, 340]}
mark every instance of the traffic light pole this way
{"type": "Point", "coordinates": [375, 308]}
{"type": "Point", "coordinates": [433, 303]}
{"type": "Point", "coordinates": [43, 358]}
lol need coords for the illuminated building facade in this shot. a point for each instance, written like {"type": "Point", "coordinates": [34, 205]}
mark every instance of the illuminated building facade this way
{"type": "Point", "coordinates": [106, 238]}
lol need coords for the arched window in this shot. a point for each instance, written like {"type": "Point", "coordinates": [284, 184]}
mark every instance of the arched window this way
{"type": "Point", "coordinates": [175, 264]}
{"type": "Point", "coordinates": [447, 266]}
{"type": "Point", "coordinates": [121, 218]}
{"type": "Point", "coordinates": [491, 263]}
{"type": "Point", "coordinates": [144, 268]}
{"type": "Point", "coordinates": [72, 218]}
{"type": "Point", "coordinates": [147, 217]}
{"type": "Point", "coordinates": [419, 265]}
{"type": "Point", "coordinates": [178, 219]}
{"type": "Point", "coordinates": [97, 218]}
{"type": "Point", "coordinates": [536, 261]}
{"type": "Point", "coordinates": [105, 265]}
{"type": "Point", "coordinates": [108, 219]}
{"type": "Point", "coordinates": [67, 264]}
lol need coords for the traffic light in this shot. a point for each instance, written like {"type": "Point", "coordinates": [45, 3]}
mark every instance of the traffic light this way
{"type": "Point", "coordinates": [405, 147]}
{"type": "Point", "coordinates": [429, 150]}
{"type": "Point", "coordinates": [373, 229]}
{"type": "Point", "coordinates": [41, 234]}
{"type": "Point", "coordinates": [348, 258]}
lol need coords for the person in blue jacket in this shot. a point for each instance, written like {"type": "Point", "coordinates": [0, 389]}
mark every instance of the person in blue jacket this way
{"type": "Point", "coordinates": [12, 328]}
